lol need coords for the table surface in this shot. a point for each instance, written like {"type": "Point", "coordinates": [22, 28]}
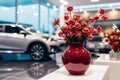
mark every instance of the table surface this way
{"type": "Point", "coordinates": [105, 58]}
{"type": "Point", "coordinates": [94, 72]}
{"type": "Point", "coordinates": [114, 65]}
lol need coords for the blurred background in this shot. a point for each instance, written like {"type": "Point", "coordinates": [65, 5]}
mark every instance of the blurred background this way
{"type": "Point", "coordinates": [40, 15]}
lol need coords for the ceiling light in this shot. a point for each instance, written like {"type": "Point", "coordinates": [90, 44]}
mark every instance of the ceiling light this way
{"type": "Point", "coordinates": [64, 2]}
{"type": "Point", "coordinates": [48, 4]}
{"type": "Point", "coordinates": [94, 0]}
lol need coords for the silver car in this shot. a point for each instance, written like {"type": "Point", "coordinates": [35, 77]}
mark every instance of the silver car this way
{"type": "Point", "coordinates": [18, 39]}
{"type": "Point", "coordinates": [98, 44]}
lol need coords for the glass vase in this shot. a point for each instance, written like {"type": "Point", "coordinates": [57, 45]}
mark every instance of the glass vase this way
{"type": "Point", "coordinates": [114, 54]}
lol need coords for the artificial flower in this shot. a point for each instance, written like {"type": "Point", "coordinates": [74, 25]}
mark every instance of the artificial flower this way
{"type": "Point", "coordinates": [70, 8]}
{"type": "Point", "coordinates": [78, 29]}
{"type": "Point", "coordinates": [114, 40]}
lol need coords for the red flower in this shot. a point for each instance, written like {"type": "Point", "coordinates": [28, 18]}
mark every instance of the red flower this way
{"type": "Point", "coordinates": [78, 34]}
{"type": "Point", "coordinates": [70, 8]}
{"type": "Point", "coordinates": [95, 31]}
{"type": "Point", "coordinates": [64, 29]}
{"type": "Point", "coordinates": [106, 40]}
{"type": "Point", "coordinates": [118, 46]}
{"type": "Point", "coordinates": [67, 23]}
{"type": "Point", "coordinates": [90, 37]}
{"type": "Point", "coordinates": [77, 25]}
{"type": "Point", "coordinates": [96, 17]}
{"type": "Point", "coordinates": [101, 11]}
{"type": "Point", "coordinates": [65, 39]}
{"type": "Point", "coordinates": [70, 34]}
{"type": "Point", "coordinates": [105, 18]}
{"type": "Point", "coordinates": [99, 28]}
{"type": "Point", "coordinates": [91, 29]}
{"type": "Point", "coordinates": [71, 21]}
{"type": "Point", "coordinates": [66, 17]}
{"type": "Point", "coordinates": [91, 19]}
{"type": "Point", "coordinates": [60, 34]}
{"type": "Point", "coordinates": [85, 30]}
{"type": "Point", "coordinates": [108, 36]}
{"type": "Point", "coordinates": [114, 39]}
{"type": "Point", "coordinates": [80, 20]}
{"type": "Point", "coordinates": [113, 47]}
{"type": "Point", "coordinates": [77, 29]}
{"type": "Point", "coordinates": [84, 24]}
{"type": "Point", "coordinates": [76, 17]}
{"type": "Point", "coordinates": [56, 22]}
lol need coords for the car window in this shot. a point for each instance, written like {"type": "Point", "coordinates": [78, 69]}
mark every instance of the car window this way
{"type": "Point", "coordinates": [10, 29]}
{"type": "Point", "coordinates": [1, 28]}
{"type": "Point", "coordinates": [17, 30]}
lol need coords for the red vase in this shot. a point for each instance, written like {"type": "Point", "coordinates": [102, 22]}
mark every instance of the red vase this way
{"type": "Point", "coordinates": [76, 58]}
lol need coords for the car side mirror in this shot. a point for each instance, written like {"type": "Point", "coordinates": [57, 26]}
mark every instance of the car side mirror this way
{"type": "Point", "coordinates": [23, 32]}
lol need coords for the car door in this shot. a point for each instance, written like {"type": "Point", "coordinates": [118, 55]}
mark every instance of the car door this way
{"type": "Point", "coordinates": [11, 39]}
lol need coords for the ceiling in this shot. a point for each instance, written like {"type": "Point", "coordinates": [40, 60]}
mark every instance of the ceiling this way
{"type": "Point", "coordinates": [11, 3]}
{"type": "Point", "coordinates": [83, 2]}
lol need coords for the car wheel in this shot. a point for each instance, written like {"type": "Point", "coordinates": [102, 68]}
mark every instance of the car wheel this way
{"type": "Point", "coordinates": [37, 51]}
{"type": "Point", "coordinates": [37, 70]}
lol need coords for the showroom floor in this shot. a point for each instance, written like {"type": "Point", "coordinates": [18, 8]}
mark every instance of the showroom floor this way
{"type": "Point", "coordinates": [28, 69]}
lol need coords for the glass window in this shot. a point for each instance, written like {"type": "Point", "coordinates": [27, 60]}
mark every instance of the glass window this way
{"type": "Point", "coordinates": [28, 12]}
{"type": "Point", "coordinates": [7, 11]}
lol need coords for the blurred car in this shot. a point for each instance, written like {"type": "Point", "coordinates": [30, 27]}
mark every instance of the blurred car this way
{"type": "Point", "coordinates": [20, 39]}
{"type": "Point", "coordinates": [98, 44]}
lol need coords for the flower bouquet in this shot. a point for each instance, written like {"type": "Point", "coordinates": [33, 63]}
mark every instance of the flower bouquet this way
{"type": "Point", "coordinates": [114, 40]}
{"type": "Point", "coordinates": [75, 31]}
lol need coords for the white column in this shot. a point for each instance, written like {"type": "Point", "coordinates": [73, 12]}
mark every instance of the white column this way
{"type": "Point", "coordinates": [61, 15]}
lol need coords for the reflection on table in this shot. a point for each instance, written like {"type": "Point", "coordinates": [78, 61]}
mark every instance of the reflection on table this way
{"type": "Point", "coordinates": [94, 72]}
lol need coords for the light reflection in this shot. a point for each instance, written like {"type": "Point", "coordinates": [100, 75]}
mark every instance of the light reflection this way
{"type": "Point", "coordinates": [6, 69]}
